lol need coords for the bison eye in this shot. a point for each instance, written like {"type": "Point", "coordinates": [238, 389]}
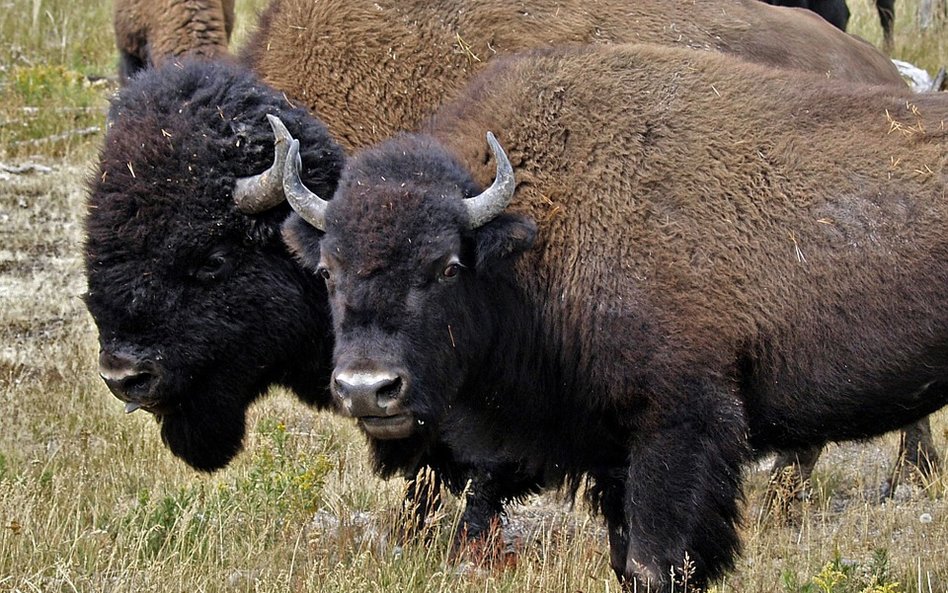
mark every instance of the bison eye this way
{"type": "Point", "coordinates": [323, 273]}
{"type": "Point", "coordinates": [217, 265]}
{"type": "Point", "coordinates": [451, 271]}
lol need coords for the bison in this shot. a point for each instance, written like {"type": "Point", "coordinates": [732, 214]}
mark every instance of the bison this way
{"type": "Point", "coordinates": [673, 290]}
{"type": "Point", "coordinates": [169, 249]}
{"type": "Point", "coordinates": [149, 33]}
{"type": "Point", "coordinates": [837, 13]}
{"type": "Point", "coordinates": [834, 12]}
{"type": "Point", "coordinates": [373, 68]}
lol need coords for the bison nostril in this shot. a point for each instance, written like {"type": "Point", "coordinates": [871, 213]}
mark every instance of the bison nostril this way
{"type": "Point", "coordinates": [340, 388]}
{"type": "Point", "coordinates": [390, 390]}
{"type": "Point", "coordinates": [128, 377]}
{"type": "Point", "coordinates": [138, 386]}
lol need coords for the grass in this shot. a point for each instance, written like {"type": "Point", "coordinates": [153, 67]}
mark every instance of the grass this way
{"type": "Point", "coordinates": [91, 501]}
{"type": "Point", "coordinates": [926, 49]}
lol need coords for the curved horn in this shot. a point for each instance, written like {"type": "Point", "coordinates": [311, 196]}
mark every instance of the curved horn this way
{"type": "Point", "coordinates": [261, 192]}
{"type": "Point", "coordinates": [307, 204]}
{"type": "Point", "coordinates": [492, 201]}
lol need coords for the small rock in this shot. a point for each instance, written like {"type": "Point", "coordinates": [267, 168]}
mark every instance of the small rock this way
{"type": "Point", "coordinates": [241, 579]}
{"type": "Point", "coordinates": [905, 493]}
{"type": "Point", "coordinates": [925, 518]}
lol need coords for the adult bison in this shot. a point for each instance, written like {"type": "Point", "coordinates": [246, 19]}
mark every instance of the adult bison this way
{"type": "Point", "coordinates": [375, 68]}
{"type": "Point", "coordinates": [834, 12]}
{"type": "Point", "coordinates": [168, 248]}
{"type": "Point", "coordinates": [674, 290]}
{"type": "Point", "coordinates": [148, 33]}
{"type": "Point", "coordinates": [199, 307]}
{"type": "Point", "coordinates": [837, 13]}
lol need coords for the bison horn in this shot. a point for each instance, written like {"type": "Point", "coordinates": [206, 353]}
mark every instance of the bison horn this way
{"type": "Point", "coordinates": [492, 201]}
{"type": "Point", "coordinates": [264, 191]}
{"type": "Point", "coordinates": [308, 205]}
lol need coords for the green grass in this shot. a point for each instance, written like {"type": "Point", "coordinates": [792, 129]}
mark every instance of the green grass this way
{"type": "Point", "coordinates": [57, 69]}
{"type": "Point", "coordinates": [90, 500]}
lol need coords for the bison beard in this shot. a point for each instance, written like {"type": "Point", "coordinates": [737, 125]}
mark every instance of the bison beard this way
{"type": "Point", "coordinates": [661, 327]}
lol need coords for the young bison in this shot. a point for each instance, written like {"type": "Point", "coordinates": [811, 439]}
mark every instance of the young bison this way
{"type": "Point", "coordinates": [673, 291]}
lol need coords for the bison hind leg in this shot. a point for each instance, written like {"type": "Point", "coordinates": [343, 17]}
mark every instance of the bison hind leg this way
{"type": "Point", "coordinates": [129, 65]}
{"type": "Point", "coordinates": [918, 459]}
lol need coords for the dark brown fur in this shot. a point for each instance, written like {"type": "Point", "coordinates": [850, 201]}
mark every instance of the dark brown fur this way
{"type": "Point", "coordinates": [148, 32]}
{"type": "Point", "coordinates": [698, 289]}
{"type": "Point", "coordinates": [369, 69]}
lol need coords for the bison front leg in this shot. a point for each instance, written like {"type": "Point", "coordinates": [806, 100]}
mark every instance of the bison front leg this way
{"type": "Point", "coordinates": [480, 535]}
{"type": "Point", "coordinates": [422, 498]}
{"type": "Point", "coordinates": [681, 495]}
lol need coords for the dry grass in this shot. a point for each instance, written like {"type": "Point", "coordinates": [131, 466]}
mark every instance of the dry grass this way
{"type": "Point", "coordinates": [91, 501]}
{"type": "Point", "coordinates": [926, 49]}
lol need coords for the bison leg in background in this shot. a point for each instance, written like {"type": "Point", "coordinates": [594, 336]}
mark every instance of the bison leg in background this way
{"type": "Point", "coordinates": [680, 504]}
{"type": "Point", "coordinates": [479, 535]}
{"type": "Point", "coordinates": [483, 510]}
{"type": "Point", "coordinates": [833, 11]}
{"type": "Point", "coordinates": [789, 481]}
{"type": "Point", "coordinates": [917, 455]}
{"type": "Point", "coordinates": [609, 497]}
{"type": "Point", "coordinates": [791, 472]}
{"type": "Point", "coordinates": [886, 10]}
{"type": "Point", "coordinates": [129, 65]}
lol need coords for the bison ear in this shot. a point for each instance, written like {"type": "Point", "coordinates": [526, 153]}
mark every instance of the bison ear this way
{"type": "Point", "coordinates": [302, 240]}
{"type": "Point", "coordinates": [506, 236]}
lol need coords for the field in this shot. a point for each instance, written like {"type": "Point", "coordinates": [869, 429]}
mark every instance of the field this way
{"type": "Point", "coordinates": [90, 500]}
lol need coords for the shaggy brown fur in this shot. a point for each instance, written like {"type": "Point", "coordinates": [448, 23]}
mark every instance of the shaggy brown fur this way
{"type": "Point", "coordinates": [148, 32]}
{"type": "Point", "coordinates": [373, 68]}
{"type": "Point", "coordinates": [753, 299]}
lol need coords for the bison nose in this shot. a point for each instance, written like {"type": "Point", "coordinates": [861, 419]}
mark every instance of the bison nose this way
{"type": "Point", "coordinates": [130, 378]}
{"type": "Point", "coordinates": [369, 393]}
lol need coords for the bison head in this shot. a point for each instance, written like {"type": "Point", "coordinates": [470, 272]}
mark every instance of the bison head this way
{"type": "Point", "coordinates": [198, 304]}
{"type": "Point", "coordinates": [409, 248]}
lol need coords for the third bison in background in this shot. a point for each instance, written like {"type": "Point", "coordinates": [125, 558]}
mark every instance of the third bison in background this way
{"type": "Point", "coordinates": [148, 32]}
{"type": "Point", "coordinates": [837, 13]}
